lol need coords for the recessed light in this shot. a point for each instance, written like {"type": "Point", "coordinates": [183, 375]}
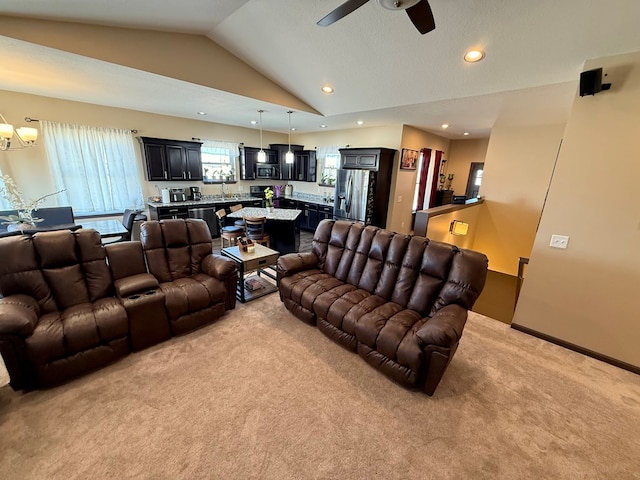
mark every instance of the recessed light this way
{"type": "Point", "coordinates": [253, 122]}
{"type": "Point", "coordinates": [445, 125]}
{"type": "Point", "coordinates": [293, 129]}
{"type": "Point", "coordinates": [323, 126]}
{"type": "Point", "coordinates": [473, 56]}
{"type": "Point", "coordinates": [327, 89]}
{"type": "Point", "coordinates": [360, 122]}
{"type": "Point", "coordinates": [466, 134]}
{"type": "Point", "coordinates": [202, 113]}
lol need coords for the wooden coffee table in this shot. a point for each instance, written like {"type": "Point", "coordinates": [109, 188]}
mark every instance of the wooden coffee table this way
{"type": "Point", "coordinates": [261, 258]}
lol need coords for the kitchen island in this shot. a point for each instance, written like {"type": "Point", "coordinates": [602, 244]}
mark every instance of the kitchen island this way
{"type": "Point", "coordinates": [282, 226]}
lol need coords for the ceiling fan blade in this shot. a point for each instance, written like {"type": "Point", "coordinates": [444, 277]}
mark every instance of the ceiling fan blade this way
{"type": "Point", "coordinates": [342, 11]}
{"type": "Point", "coordinates": [422, 17]}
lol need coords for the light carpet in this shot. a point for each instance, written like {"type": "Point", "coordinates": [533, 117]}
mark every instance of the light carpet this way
{"type": "Point", "coordinates": [260, 395]}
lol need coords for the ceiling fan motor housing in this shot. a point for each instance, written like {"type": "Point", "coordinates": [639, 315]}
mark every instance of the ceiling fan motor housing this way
{"type": "Point", "coordinates": [398, 4]}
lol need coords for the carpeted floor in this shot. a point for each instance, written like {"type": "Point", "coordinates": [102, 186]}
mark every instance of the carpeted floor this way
{"type": "Point", "coordinates": [260, 395]}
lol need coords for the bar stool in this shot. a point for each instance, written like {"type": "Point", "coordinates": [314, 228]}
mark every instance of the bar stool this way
{"type": "Point", "coordinates": [256, 231]}
{"type": "Point", "coordinates": [230, 233]}
{"type": "Point", "coordinates": [240, 221]}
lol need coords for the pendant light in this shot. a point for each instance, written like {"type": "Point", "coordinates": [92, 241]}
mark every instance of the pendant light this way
{"type": "Point", "coordinates": [262, 157]}
{"type": "Point", "coordinates": [288, 158]}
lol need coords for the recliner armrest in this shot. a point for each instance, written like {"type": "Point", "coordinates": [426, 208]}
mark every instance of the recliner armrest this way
{"type": "Point", "coordinates": [142, 282]}
{"type": "Point", "coordinates": [296, 262]}
{"type": "Point", "coordinates": [18, 315]}
{"type": "Point", "coordinates": [445, 327]}
{"type": "Point", "coordinates": [218, 266]}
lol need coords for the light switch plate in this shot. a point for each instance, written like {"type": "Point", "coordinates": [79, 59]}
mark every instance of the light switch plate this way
{"type": "Point", "coordinates": [559, 241]}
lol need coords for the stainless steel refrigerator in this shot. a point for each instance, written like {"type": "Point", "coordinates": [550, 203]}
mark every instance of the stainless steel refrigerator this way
{"type": "Point", "coordinates": [354, 196]}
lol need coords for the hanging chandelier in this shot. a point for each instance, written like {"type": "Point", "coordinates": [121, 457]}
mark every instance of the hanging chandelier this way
{"type": "Point", "coordinates": [262, 156]}
{"type": "Point", "coordinates": [288, 158]}
{"type": "Point", "coordinates": [16, 138]}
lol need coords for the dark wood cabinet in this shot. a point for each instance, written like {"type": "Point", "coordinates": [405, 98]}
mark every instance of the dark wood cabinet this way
{"type": "Point", "coordinates": [287, 170]}
{"type": "Point", "coordinates": [172, 159]}
{"type": "Point", "coordinates": [305, 166]}
{"type": "Point", "coordinates": [324, 212]}
{"type": "Point", "coordinates": [361, 159]}
{"type": "Point", "coordinates": [249, 160]}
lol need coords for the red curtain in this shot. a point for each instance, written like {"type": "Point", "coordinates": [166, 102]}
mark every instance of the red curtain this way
{"type": "Point", "coordinates": [436, 176]}
{"type": "Point", "coordinates": [424, 171]}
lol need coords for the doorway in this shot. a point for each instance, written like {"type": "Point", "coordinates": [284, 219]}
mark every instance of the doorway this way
{"type": "Point", "coordinates": [475, 179]}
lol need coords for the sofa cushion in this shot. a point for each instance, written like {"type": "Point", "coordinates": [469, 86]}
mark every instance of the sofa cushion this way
{"type": "Point", "coordinates": [75, 329]}
{"type": "Point", "coordinates": [191, 294]}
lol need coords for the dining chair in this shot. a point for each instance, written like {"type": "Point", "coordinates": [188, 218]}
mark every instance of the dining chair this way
{"type": "Point", "coordinates": [255, 227]}
{"type": "Point", "coordinates": [229, 233]}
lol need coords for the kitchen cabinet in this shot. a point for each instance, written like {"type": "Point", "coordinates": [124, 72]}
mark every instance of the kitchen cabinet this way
{"type": "Point", "coordinates": [164, 213]}
{"type": "Point", "coordinates": [365, 158]}
{"type": "Point", "coordinates": [304, 166]}
{"type": "Point", "coordinates": [172, 159]}
{"type": "Point", "coordinates": [309, 216]}
{"type": "Point", "coordinates": [324, 212]}
{"type": "Point", "coordinates": [287, 170]}
{"type": "Point", "coordinates": [249, 159]}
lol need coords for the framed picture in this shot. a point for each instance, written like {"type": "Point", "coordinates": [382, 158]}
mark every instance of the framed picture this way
{"type": "Point", "coordinates": [409, 159]}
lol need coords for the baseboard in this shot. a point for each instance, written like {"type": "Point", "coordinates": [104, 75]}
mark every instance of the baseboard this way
{"type": "Point", "coordinates": [577, 348]}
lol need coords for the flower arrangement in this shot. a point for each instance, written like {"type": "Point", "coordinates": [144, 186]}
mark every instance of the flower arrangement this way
{"type": "Point", "coordinates": [268, 195]}
{"type": "Point", "coordinates": [10, 191]}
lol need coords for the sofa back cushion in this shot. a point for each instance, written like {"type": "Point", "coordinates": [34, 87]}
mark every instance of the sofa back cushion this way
{"type": "Point", "coordinates": [412, 271]}
{"type": "Point", "coordinates": [58, 269]}
{"type": "Point", "coordinates": [175, 248]}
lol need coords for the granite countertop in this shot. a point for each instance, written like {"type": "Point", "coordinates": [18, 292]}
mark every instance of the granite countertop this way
{"type": "Point", "coordinates": [288, 214]}
{"type": "Point", "coordinates": [204, 202]}
{"type": "Point", "coordinates": [309, 198]}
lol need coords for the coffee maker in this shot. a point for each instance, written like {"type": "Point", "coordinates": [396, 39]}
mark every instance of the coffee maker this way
{"type": "Point", "coordinates": [194, 193]}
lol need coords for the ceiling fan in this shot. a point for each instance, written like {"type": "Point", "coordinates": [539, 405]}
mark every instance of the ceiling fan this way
{"type": "Point", "coordinates": [419, 12]}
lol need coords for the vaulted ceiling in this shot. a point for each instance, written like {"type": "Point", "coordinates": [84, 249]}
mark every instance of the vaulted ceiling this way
{"type": "Point", "coordinates": [383, 71]}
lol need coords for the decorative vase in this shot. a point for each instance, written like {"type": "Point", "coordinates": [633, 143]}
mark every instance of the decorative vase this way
{"type": "Point", "coordinates": [269, 209]}
{"type": "Point", "coordinates": [19, 226]}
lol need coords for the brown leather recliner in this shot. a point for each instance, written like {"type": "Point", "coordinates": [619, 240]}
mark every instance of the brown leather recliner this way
{"type": "Point", "coordinates": [59, 317]}
{"type": "Point", "coordinates": [67, 311]}
{"type": "Point", "coordinates": [196, 284]}
{"type": "Point", "coordinates": [400, 301]}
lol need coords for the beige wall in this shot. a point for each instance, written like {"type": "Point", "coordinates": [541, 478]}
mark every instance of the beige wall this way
{"type": "Point", "coordinates": [587, 294]}
{"type": "Point", "coordinates": [192, 58]}
{"type": "Point", "coordinates": [517, 171]}
{"type": "Point", "coordinates": [462, 154]}
{"type": "Point", "coordinates": [30, 167]}
{"type": "Point", "coordinates": [438, 227]}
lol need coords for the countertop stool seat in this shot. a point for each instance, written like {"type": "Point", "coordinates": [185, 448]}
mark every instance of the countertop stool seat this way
{"type": "Point", "coordinates": [230, 233]}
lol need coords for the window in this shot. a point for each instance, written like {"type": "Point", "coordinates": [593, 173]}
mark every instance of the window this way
{"type": "Point", "coordinates": [219, 161]}
{"type": "Point", "coordinates": [96, 167]}
{"type": "Point", "coordinates": [475, 179]}
{"type": "Point", "coordinates": [4, 203]}
{"type": "Point", "coordinates": [330, 158]}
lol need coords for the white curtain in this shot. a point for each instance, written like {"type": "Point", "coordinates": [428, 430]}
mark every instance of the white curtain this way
{"type": "Point", "coordinates": [322, 152]}
{"type": "Point", "coordinates": [4, 203]}
{"type": "Point", "coordinates": [96, 167]}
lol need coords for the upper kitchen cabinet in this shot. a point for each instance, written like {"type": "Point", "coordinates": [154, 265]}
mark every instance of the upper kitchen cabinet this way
{"type": "Point", "coordinates": [287, 170]}
{"type": "Point", "coordinates": [362, 158]}
{"type": "Point", "coordinates": [305, 166]}
{"type": "Point", "coordinates": [172, 159]}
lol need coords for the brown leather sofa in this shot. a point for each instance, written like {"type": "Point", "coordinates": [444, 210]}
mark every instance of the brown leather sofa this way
{"type": "Point", "coordinates": [400, 301]}
{"type": "Point", "coordinates": [72, 305]}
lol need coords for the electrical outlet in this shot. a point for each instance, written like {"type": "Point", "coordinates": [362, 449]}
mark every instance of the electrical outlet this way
{"type": "Point", "coordinates": [240, 188]}
{"type": "Point", "coordinates": [399, 198]}
{"type": "Point", "coordinates": [559, 241]}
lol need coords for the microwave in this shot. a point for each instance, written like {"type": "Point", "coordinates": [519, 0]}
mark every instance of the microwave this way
{"type": "Point", "coordinates": [266, 170]}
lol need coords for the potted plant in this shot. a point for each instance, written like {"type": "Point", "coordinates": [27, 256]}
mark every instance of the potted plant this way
{"type": "Point", "coordinates": [268, 195]}
{"type": "Point", "coordinates": [25, 208]}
